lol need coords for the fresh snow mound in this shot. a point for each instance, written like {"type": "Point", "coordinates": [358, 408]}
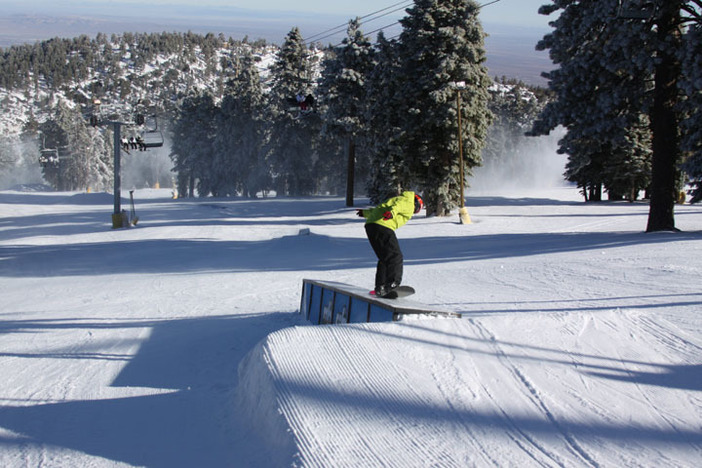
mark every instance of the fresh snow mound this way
{"type": "Point", "coordinates": [452, 393]}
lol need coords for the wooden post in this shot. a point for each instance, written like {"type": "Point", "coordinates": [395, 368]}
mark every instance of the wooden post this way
{"type": "Point", "coordinates": [463, 215]}
{"type": "Point", "coordinates": [350, 172]}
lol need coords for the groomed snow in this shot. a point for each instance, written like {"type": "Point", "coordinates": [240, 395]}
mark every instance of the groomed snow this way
{"type": "Point", "coordinates": [177, 343]}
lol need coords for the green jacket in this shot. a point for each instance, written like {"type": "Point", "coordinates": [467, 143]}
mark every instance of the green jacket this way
{"type": "Point", "coordinates": [394, 213]}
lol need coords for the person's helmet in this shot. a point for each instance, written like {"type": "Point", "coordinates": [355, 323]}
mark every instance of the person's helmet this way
{"type": "Point", "coordinates": [418, 203]}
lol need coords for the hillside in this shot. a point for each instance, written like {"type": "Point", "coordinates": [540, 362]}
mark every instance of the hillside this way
{"type": "Point", "coordinates": [120, 71]}
{"type": "Point", "coordinates": [150, 74]}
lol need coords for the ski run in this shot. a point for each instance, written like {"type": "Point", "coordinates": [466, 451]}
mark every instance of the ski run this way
{"type": "Point", "coordinates": [177, 342]}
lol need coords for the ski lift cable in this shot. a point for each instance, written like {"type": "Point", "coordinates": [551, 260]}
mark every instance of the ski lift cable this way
{"type": "Point", "coordinates": [383, 15]}
{"type": "Point", "coordinates": [268, 80]}
{"type": "Point", "coordinates": [337, 29]}
{"type": "Point", "coordinates": [373, 17]}
{"type": "Point", "coordinates": [488, 4]}
{"type": "Point", "coordinates": [377, 30]}
{"type": "Point", "coordinates": [345, 25]}
{"type": "Point", "coordinates": [394, 23]}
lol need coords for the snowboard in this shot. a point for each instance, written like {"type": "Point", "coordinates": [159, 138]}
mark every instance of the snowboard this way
{"type": "Point", "coordinates": [398, 292]}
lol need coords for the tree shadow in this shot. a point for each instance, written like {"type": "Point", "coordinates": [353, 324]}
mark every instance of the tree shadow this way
{"type": "Point", "coordinates": [560, 306]}
{"type": "Point", "coordinates": [295, 252]}
{"type": "Point", "coordinates": [185, 416]}
{"type": "Point", "coordinates": [684, 377]}
{"type": "Point", "coordinates": [481, 201]}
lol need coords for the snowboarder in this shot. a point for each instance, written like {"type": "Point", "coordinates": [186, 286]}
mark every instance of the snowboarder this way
{"type": "Point", "coordinates": [381, 223]}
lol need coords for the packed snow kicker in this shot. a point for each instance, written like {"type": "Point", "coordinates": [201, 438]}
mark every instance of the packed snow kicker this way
{"type": "Point", "coordinates": [178, 343]}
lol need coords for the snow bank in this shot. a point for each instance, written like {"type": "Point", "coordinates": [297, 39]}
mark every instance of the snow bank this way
{"type": "Point", "coordinates": [258, 403]}
{"type": "Point", "coordinates": [451, 392]}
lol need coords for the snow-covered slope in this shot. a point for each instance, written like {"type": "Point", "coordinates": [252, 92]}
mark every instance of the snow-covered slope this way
{"type": "Point", "coordinates": [177, 342]}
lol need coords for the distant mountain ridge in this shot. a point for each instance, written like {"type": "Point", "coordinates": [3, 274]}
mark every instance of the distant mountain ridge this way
{"type": "Point", "coordinates": [510, 50]}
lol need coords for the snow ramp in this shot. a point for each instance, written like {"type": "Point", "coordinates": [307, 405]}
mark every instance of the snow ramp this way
{"type": "Point", "coordinates": [341, 402]}
{"type": "Point", "coordinates": [437, 392]}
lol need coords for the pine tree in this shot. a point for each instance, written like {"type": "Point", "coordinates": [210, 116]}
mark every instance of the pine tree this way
{"type": "Point", "coordinates": [616, 66]}
{"type": "Point", "coordinates": [343, 86]}
{"type": "Point", "coordinates": [240, 131]}
{"type": "Point", "coordinates": [691, 125]}
{"type": "Point", "coordinates": [54, 145]}
{"type": "Point", "coordinates": [601, 94]}
{"type": "Point", "coordinates": [80, 157]}
{"type": "Point", "coordinates": [585, 165]}
{"type": "Point", "coordinates": [627, 170]}
{"type": "Point", "coordinates": [293, 137]}
{"type": "Point", "coordinates": [388, 170]}
{"type": "Point", "coordinates": [192, 149]}
{"type": "Point", "coordinates": [442, 42]}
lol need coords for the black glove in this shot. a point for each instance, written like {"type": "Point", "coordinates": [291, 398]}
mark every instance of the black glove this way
{"type": "Point", "coordinates": [359, 213]}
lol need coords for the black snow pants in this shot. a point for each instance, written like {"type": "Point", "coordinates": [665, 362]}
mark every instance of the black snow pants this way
{"type": "Point", "coordinates": [387, 249]}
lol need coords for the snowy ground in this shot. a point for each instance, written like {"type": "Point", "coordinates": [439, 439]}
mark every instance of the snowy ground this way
{"type": "Point", "coordinates": [177, 343]}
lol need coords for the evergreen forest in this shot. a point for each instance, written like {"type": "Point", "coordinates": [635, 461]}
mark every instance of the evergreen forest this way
{"type": "Point", "coordinates": [247, 118]}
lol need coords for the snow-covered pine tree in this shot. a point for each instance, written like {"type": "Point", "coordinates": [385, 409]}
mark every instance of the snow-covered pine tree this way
{"type": "Point", "coordinates": [53, 139]}
{"type": "Point", "coordinates": [442, 42]}
{"type": "Point", "coordinates": [602, 94]}
{"type": "Point", "coordinates": [627, 170]}
{"type": "Point", "coordinates": [388, 171]}
{"type": "Point", "coordinates": [240, 130]}
{"type": "Point", "coordinates": [691, 125]}
{"type": "Point", "coordinates": [83, 157]}
{"type": "Point", "coordinates": [584, 165]}
{"type": "Point", "coordinates": [343, 86]}
{"type": "Point", "coordinates": [72, 160]}
{"type": "Point", "coordinates": [192, 146]}
{"type": "Point", "coordinates": [640, 53]}
{"type": "Point", "coordinates": [100, 150]}
{"type": "Point", "coordinates": [292, 136]}
{"type": "Point", "coordinates": [602, 89]}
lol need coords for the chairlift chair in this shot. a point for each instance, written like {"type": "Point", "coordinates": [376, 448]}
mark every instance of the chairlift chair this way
{"type": "Point", "coordinates": [152, 137]}
{"type": "Point", "coordinates": [636, 9]}
{"type": "Point", "coordinates": [303, 104]}
{"type": "Point", "coordinates": [49, 157]}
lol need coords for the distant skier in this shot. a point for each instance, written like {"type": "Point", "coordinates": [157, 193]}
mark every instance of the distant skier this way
{"type": "Point", "coordinates": [381, 223]}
